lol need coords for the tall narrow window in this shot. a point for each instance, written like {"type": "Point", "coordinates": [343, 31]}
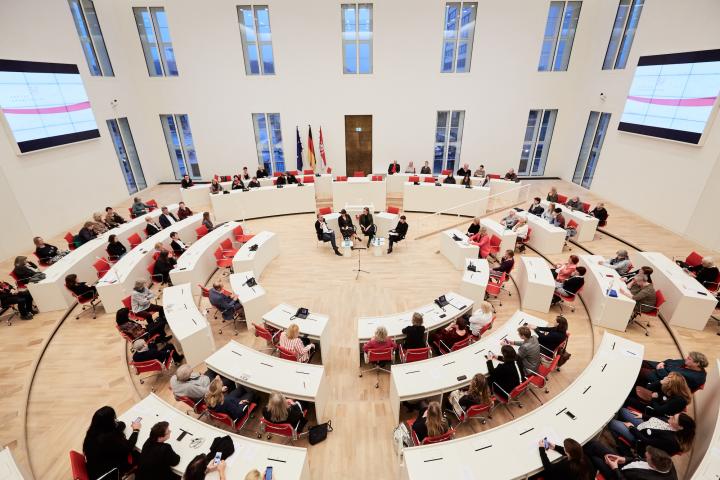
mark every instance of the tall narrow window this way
{"type": "Point", "coordinates": [157, 46]}
{"type": "Point", "coordinates": [91, 38]}
{"type": "Point", "coordinates": [448, 139]}
{"type": "Point", "coordinates": [357, 31]}
{"type": "Point", "coordinates": [536, 145]}
{"type": "Point", "coordinates": [127, 154]}
{"type": "Point", "coordinates": [590, 148]}
{"type": "Point", "coordinates": [268, 138]}
{"type": "Point", "coordinates": [623, 33]}
{"type": "Point", "coordinates": [180, 145]}
{"type": "Point", "coordinates": [458, 36]}
{"type": "Point", "coordinates": [559, 36]}
{"type": "Point", "coordinates": [256, 39]}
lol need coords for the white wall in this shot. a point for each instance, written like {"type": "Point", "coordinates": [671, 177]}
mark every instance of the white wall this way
{"type": "Point", "coordinates": [403, 95]}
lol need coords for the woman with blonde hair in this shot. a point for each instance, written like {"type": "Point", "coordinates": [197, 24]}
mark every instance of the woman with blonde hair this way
{"type": "Point", "coordinates": [480, 318]}
{"type": "Point", "coordinates": [234, 404]}
{"type": "Point", "coordinates": [430, 422]}
{"type": "Point", "coordinates": [283, 410]}
{"type": "Point", "coordinates": [253, 474]}
{"type": "Point", "coordinates": [380, 340]}
{"type": "Point", "coordinates": [478, 393]}
{"type": "Point", "coordinates": [474, 227]}
{"type": "Point", "coordinates": [481, 239]}
{"type": "Point", "coordinates": [670, 395]}
{"type": "Point", "coordinates": [290, 340]}
{"type": "Point", "coordinates": [415, 333]}
{"type": "Point", "coordinates": [99, 225]}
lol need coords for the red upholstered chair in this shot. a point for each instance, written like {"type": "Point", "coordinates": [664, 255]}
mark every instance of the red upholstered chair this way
{"type": "Point", "coordinates": [539, 379]}
{"type": "Point", "coordinates": [308, 179]}
{"type": "Point", "coordinates": [429, 440]}
{"type": "Point", "coordinates": [358, 173]}
{"type": "Point", "coordinates": [152, 204]}
{"type": "Point", "coordinates": [391, 209]}
{"type": "Point", "coordinates": [494, 288]}
{"type": "Point", "coordinates": [70, 239]}
{"type": "Point", "coordinates": [223, 261]}
{"type": "Point", "coordinates": [562, 199]}
{"type": "Point", "coordinates": [567, 298]}
{"type": "Point", "coordinates": [693, 259]}
{"type": "Point", "coordinates": [494, 176]}
{"type": "Point", "coordinates": [307, 172]}
{"type": "Point", "coordinates": [324, 210]}
{"type": "Point", "coordinates": [270, 337]}
{"type": "Point", "coordinates": [156, 368]}
{"type": "Point", "coordinates": [446, 172]}
{"type": "Point", "coordinates": [476, 411]}
{"type": "Point", "coordinates": [377, 178]}
{"type": "Point", "coordinates": [227, 419]}
{"type": "Point", "coordinates": [585, 207]}
{"type": "Point", "coordinates": [414, 354]}
{"type": "Point", "coordinates": [18, 282]}
{"type": "Point", "coordinates": [286, 354]}
{"type": "Point", "coordinates": [275, 181]}
{"type": "Point", "coordinates": [429, 179]}
{"type": "Point", "coordinates": [216, 177]}
{"type": "Point", "coordinates": [134, 240]}
{"type": "Point", "coordinates": [101, 266]}
{"type": "Point", "coordinates": [414, 178]}
{"type": "Point", "coordinates": [78, 465]}
{"type": "Point", "coordinates": [376, 356]}
{"type": "Point", "coordinates": [513, 397]}
{"type": "Point", "coordinates": [228, 249]}
{"type": "Point", "coordinates": [495, 243]}
{"type": "Point", "coordinates": [329, 170]}
{"type": "Point", "coordinates": [659, 300]}
{"type": "Point", "coordinates": [483, 329]}
{"type": "Point", "coordinates": [277, 174]}
{"type": "Point", "coordinates": [341, 179]}
{"type": "Point", "coordinates": [201, 231]}
{"type": "Point", "coordinates": [240, 235]}
{"type": "Point", "coordinates": [282, 429]}
{"type": "Point", "coordinates": [84, 301]}
{"type": "Point", "coordinates": [444, 349]}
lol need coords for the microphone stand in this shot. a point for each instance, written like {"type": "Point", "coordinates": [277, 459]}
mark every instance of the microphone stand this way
{"type": "Point", "coordinates": [359, 267]}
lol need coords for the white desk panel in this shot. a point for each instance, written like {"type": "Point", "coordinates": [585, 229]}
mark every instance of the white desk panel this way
{"type": "Point", "coordinates": [473, 284]}
{"type": "Point", "coordinates": [189, 326]}
{"type": "Point", "coordinates": [428, 197]}
{"type": "Point", "coordinates": [254, 299]}
{"type": "Point", "coordinates": [8, 468]}
{"type": "Point", "coordinates": [545, 238]}
{"type": "Point", "coordinates": [587, 224]}
{"type": "Point", "coordinates": [508, 238]}
{"type": "Point", "coordinates": [358, 191]}
{"type": "Point", "coordinates": [604, 310]}
{"type": "Point", "coordinates": [396, 182]}
{"type": "Point", "coordinates": [264, 202]}
{"type": "Point", "coordinates": [535, 283]}
{"type": "Point", "coordinates": [199, 195]}
{"type": "Point", "coordinates": [313, 326]}
{"type": "Point", "coordinates": [384, 222]}
{"type": "Point", "coordinates": [506, 192]}
{"type": "Point", "coordinates": [268, 248]}
{"type": "Point", "coordinates": [457, 251]}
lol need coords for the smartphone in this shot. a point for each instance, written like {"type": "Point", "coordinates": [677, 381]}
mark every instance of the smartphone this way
{"type": "Point", "coordinates": [569, 414]}
{"type": "Point", "coordinates": [525, 324]}
{"type": "Point", "coordinates": [218, 457]}
{"type": "Point", "coordinates": [490, 353]}
{"type": "Point", "coordinates": [138, 419]}
{"type": "Point", "coordinates": [268, 473]}
{"type": "Point", "coordinates": [546, 444]}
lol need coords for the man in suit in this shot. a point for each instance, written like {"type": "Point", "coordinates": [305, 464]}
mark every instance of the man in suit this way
{"type": "Point", "coordinates": [536, 209]}
{"type": "Point", "coordinates": [281, 180]}
{"type": "Point", "coordinates": [398, 233]}
{"type": "Point", "coordinates": [571, 285]}
{"type": "Point", "coordinates": [261, 172]}
{"type": "Point", "coordinates": [507, 262]}
{"type": "Point", "coordinates": [464, 170]}
{"type": "Point", "coordinates": [425, 170]}
{"type": "Point", "coordinates": [229, 305]}
{"type": "Point", "coordinates": [151, 228]}
{"type": "Point", "coordinates": [656, 464]}
{"type": "Point", "coordinates": [394, 168]}
{"type": "Point", "coordinates": [167, 218]}
{"type": "Point", "coordinates": [324, 233]}
{"type": "Point", "coordinates": [176, 244]}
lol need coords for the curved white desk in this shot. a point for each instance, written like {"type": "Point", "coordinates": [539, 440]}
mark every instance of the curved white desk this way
{"type": "Point", "coordinates": [604, 310]}
{"type": "Point", "coordinates": [189, 326]}
{"type": "Point", "coordinates": [535, 283]}
{"type": "Point", "coordinates": [313, 326]}
{"type": "Point", "coordinates": [51, 294]}
{"type": "Point", "coordinates": [587, 224]}
{"type": "Point", "coordinates": [264, 202]}
{"type": "Point", "coordinates": [545, 238]}
{"type": "Point", "coordinates": [709, 468]}
{"type": "Point", "coordinates": [506, 192]}
{"type": "Point", "coordinates": [268, 248]}
{"type": "Point", "coordinates": [198, 262]}
{"type": "Point", "coordinates": [510, 451]}
{"type": "Point", "coordinates": [473, 284]}
{"type": "Point", "coordinates": [439, 375]}
{"type": "Point", "coordinates": [199, 195]}
{"type": "Point", "coordinates": [191, 437]}
{"type": "Point", "coordinates": [446, 198]}
{"type": "Point", "coordinates": [254, 299]}
{"type": "Point", "coordinates": [457, 251]}
{"type": "Point", "coordinates": [259, 371]}
{"type": "Point", "coordinates": [396, 181]}
{"type": "Point", "coordinates": [8, 468]}
{"type": "Point", "coordinates": [119, 281]}
{"type": "Point", "coordinates": [507, 237]}
{"type": "Point", "coordinates": [358, 191]}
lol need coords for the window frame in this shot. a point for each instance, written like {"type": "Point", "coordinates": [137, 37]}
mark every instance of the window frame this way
{"type": "Point", "coordinates": [101, 60]}
{"type": "Point", "coordinates": [187, 165]}
{"type": "Point", "coordinates": [134, 166]}
{"type": "Point", "coordinates": [446, 142]}
{"type": "Point", "coordinates": [454, 36]}
{"type": "Point", "coordinates": [257, 44]}
{"type": "Point", "coordinates": [356, 40]}
{"type": "Point", "coordinates": [273, 165]}
{"type": "Point", "coordinates": [584, 168]}
{"type": "Point", "coordinates": [158, 43]}
{"type": "Point", "coordinates": [567, 42]}
{"type": "Point", "coordinates": [530, 168]}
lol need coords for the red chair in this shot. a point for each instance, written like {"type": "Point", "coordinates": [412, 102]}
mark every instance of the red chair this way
{"type": "Point", "coordinates": [227, 419]}
{"type": "Point", "coordinates": [270, 337]}
{"type": "Point", "coordinates": [512, 397]}
{"type": "Point", "coordinates": [201, 231]}
{"type": "Point", "coordinates": [585, 207]}
{"type": "Point", "coordinates": [156, 368]}
{"type": "Point", "coordinates": [216, 177]}
{"type": "Point", "coordinates": [476, 411]}
{"type": "Point", "coordinates": [283, 429]}
{"type": "Point", "coordinates": [152, 204]}
{"type": "Point", "coordinates": [78, 465]}
{"type": "Point", "coordinates": [84, 301]}
{"type": "Point", "coordinates": [227, 248]}
{"type": "Point", "coordinates": [414, 354]}
{"type": "Point", "coordinates": [539, 379]}
{"type": "Point", "coordinates": [444, 349]}
{"type": "Point", "coordinates": [494, 287]}
{"type": "Point", "coordinates": [308, 179]}
{"type": "Point", "coordinates": [429, 440]}
{"type": "Point", "coordinates": [134, 240]}
{"type": "Point", "coordinates": [526, 241]}
{"type": "Point", "coordinates": [129, 339]}
{"type": "Point", "coordinates": [551, 354]}
{"type": "Point", "coordinates": [484, 329]}
{"type": "Point", "coordinates": [155, 277]}
{"type": "Point", "coordinates": [446, 172]}
{"type": "Point", "coordinates": [294, 173]}
{"type": "Point", "coordinates": [19, 283]}
{"type": "Point", "coordinates": [429, 179]}
{"type": "Point", "coordinates": [414, 178]}
{"type": "Point", "coordinates": [391, 209]}
{"type": "Point", "coordinates": [376, 356]}
{"type": "Point", "coordinates": [101, 266]}
{"type": "Point", "coordinates": [324, 210]}
{"type": "Point", "coordinates": [286, 354]}
{"type": "Point", "coordinates": [222, 261]}
{"type": "Point", "coordinates": [568, 298]}
{"type": "Point", "coordinates": [341, 179]}
{"type": "Point", "coordinates": [127, 303]}
{"type": "Point", "coordinates": [358, 173]}
{"type": "Point", "coordinates": [562, 199]}
{"type": "Point", "coordinates": [240, 235]}
{"type": "Point", "coordinates": [377, 178]}
{"type": "Point", "coordinates": [659, 300]}
{"type": "Point", "coordinates": [70, 239]}
{"type": "Point", "coordinates": [494, 176]}
{"type": "Point", "coordinates": [277, 174]}
{"type": "Point", "coordinates": [307, 172]}
{"type": "Point", "coordinates": [329, 170]}
{"type": "Point", "coordinates": [495, 244]}
{"type": "Point", "coordinates": [693, 259]}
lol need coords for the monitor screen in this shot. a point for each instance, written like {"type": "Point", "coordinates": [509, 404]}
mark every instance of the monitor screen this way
{"type": "Point", "coordinates": [672, 96]}
{"type": "Point", "coordinates": [45, 104]}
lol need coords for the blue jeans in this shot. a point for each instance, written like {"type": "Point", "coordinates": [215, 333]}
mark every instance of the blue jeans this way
{"type": "Point", "coordinates": [619, 428]}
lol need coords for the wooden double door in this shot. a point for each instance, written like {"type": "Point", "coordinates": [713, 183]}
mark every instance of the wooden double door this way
{"type": "Point", "coordinates": [358, 144]}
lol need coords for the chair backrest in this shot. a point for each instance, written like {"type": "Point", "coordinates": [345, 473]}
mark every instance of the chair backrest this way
{"type": "Point", "coordinates": [127, 302]}
{"type": "Point", "coordinates": [461, 344]}
{"type": "Point", "coordinates": [78, 466]}
{"type": "Point", "coordinates": [494, 175]}
{"type": "Point", "coordinates": [446, 172]}
{"type": "Point", "coordinates": [341, 179]}
{"type": "Point", "coordinates": [275, 181]}
{"type": "Point", "coordinates": [282, 429]}
{"type": "Point", "coordinates": [694, 259]}
{"type": "Point", "coordinates": [148, 366]}
{"type": "Point", "coordinates": [527, 238]}
{"type": "Point", "coordinates": [416, 354]}
{"type": "Point", "coordinates": [219, 253]}
{"type": "Point", "coordinates": [286, 354]}
{"type": "Point", "coordinates": [439, 438]}
{"type": "Point", "coordinates": [429, 179]}
{"type": "Point", "coordinates": [238, 231]}
{"type": "Point", "coordinates": [201, 231]}
{"type": "Point", "coordinates": [324, 210]}
{"type": "Point", "coordinates": [377, 178]}
{"type": "Point", "coordinates": [222, 418]}
{"type": "Point", "coordinates": [572, 224]}
{"type": "Point", "coordinates": [277, 174]}
{"type": "Point", "coordinates": [134, 240]}
{"type": "Point", "coordinates": [204, 291]}
{"type": "Point", "coordinates": [101, 265]}
{"type": "Point", "coordinates": [227, 244]}
{"type": "Point", "coordinates": [152, 203]}
{"type": "Point", "coordinates": [262, 332]}
{"type": "Point", "coordinates": [478, 410]}
{"type": "Point", "coordinates": [151, 270]}
{"type": "Point", "coordinates": [155, 255]}
{"type": "Point", "coordinates": [659, 299]}
{"type": "Point", "coordinates": [495, 240]}
{"type": "Point", "coordinates": [520, 389]}
{"type": "Point", "coordinates": [585, 207]}
{"type": "Point", "coordinates": [358, 173]}
{"type": "Point", "coordinates": [414, 178]}
{"type": "Point", "coordinates": [391, 209]}
{"type": "Point", "coordinates": [384, 354]}
{"type": "Point", "coordinates": [308, 179]}
{"type": "Point", "coordinates": [307, 172]}
{"type": "Point", "coordinates": [329, 170]}
{"type": "Point", "coordinates": [70, 239]}
{"type": "Point", "coordinates": [486, 327]}
{"type": "Point", "coordinates": [562, 198]}
{"type": "Point", "coordinates": [18, 282]}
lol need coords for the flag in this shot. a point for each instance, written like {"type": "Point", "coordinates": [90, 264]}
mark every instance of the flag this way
{"type": "Point", "coordinates": [322, 149]}
{"type": "Point", "coordinates": [311, 149]}
{"type": "Point", "coordinates": [299, 150]}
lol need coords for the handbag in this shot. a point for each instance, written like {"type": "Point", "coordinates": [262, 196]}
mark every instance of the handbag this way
{"type": "Point", "coordinates": [564, 357]}
{"type": "Point", "coordinates": [401, 437]}
{"type": "Point", "coordinates": [318, 433]}
{"type": "Point", "coordinates": [222, 444]}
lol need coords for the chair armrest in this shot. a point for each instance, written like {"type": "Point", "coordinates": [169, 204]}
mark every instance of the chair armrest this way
{"type": "Point", "coordinates": [501, 389]}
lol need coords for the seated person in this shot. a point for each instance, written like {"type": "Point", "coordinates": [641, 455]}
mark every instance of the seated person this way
{"type": "Point", "coordinates": [558, 219]}
{"type": "Point", "coordinates": [144, 352]}
{"type": "Point", "coordinates": [536, 209]}
{"type": "Point", "coordinates": [48, 254]}
{"type": "Point", "coordinates": [245, 174]}
{"type": "Point", "coordinates": [528, 350]}
{"type": "Point", "coordinates": [600, 213]}
{"type": "Point", "coordinates": [621, 262]}
{"type": "Point", "coordinates": [235, 403]}
{"type": "Point", "coordinates": [139, 208]}
{"type": "Point", "coordinates": [570, 286]}
{"type": "Point", "coordinates": [201, 466]}
{"type": "Point", "coordinates": [26, 271]}
{"type": "Point", "coordinates": [507, 262]}
{"type": "Point", "coordinates": [552, 196]}
{"type": "Point", "coordinates": [450, 335]}
{"type": "Point", "coordinates": [674, 436]}
{"type": "Point", "coordinates": [481, 239]}
{"type": "Point", "coordinates": [575, 465]}
{"type": "Point", "coordinates": [228, 305]}
{"type": "Point", "coordinates": [135, 330]}
{"type": "Point", "coordinates": [163, 265]}
{"type": "Point", "coordinates": [450, 179]}
{"type": "Point", "coordinates": [430, 422]}
{"type": "Point", "coordinates": [706, 273]}
{"type": "Point", "coordinates": [477, 393]}
{"type": "Point", "coordinates": [522, 230]}
{"type": "Point", "coordinates": [347, 228]}
{"type": "Point", "coordinates": [9, 295]}
{"type": "Point", "coordinates": [87, 233]}
{"type": "Point", "coordinates": [393, 168]}
{"type": "Point", "coordinates": [177, 245]}
{"type": "Point", "coordinates": [186, 182]}
{"type": "Point", "coordinates": [105, 445]}
{"type": "Point", "coordinates": [290, 340]}
{"type": "Point", "coordinates": [166, 218]}
{"type": "Point", "coordinates": [410, 168]}
{"type": "Point", "coordinates": [656, 464]}
{"type": "Point", "coordinates": [643, 293]}
{"type": "Point", "coordinates": [415, 333]}
{"type": "Point", "coordinates": [290, 178]}
{"type": "Point", "coordinates": [425, 170]}
{"type": "Point", "coordinates": [511, 175]}
{"type": "Point", "coordinates": [281, 180]}
{"type": "Point", "coordinates": [141, 302]}
{"type": "Point", "coordinates": [549, 214]}
{"type": "Point", "coordinates": [367, 227]}
{"type": "Point", "coordinates": [186, 383]}
{"type": "Point", "coordinates": [151, 228]}
{"type": "Point", "coordinates": [157, 457]}
{"type": "Point", "coordinates": [115, 249]}
{"type": "Point", "coordinates": [112, 219]}
{"type": "Point", "coordinates": [466, 181]}
{"type": "Point", "coordinates": [574, 203]}
{"type": "Point", "coordinates": [508, 374]}
{"type": "Point", "coordinates": [481, 317]}
{"type": "Point", "coordinates": [645, 270]}
{"type": "Point", "coordinates": [464, 170]}
{"type": "Point", "coordinates": [237, 183]}
{"type": "Point", "coordinates": [325, 234]}
{"type": "Point", "coordinates": [215, 186]}
{"type": "Point", "coordinates": [479, 171]}
{"type": "Point", "coordinates": [81, 289]}
{"type": "Point", "coordinates": [510, 219]}
{"type": "Point", "coordinates": [398, 233]}
{"type": "Point", "coordinates": [283, 410]}
{"type": "Point", "coordinates": [380, 340]}
{"type": "Point", "coordinates": [254, 183]}
{"type": "Point", "coordinates": [261, 172]}
{"type": "Point", "coordinates": [669, 396]}
{"type": "Point", "coordinates": [562, 271]}
{"type": "Point", "coordinates": [206, 222]}
{"type": "Point", "coordinates": [551, 337]}
{"type": "Point", "coordinates": [183, 212]}
{"type": "Point", "coordinates": [691, 367]}
{"type": "Point", "coordinates": [98, 225]}
{"type": "Point", "coordinates": [474, 227]}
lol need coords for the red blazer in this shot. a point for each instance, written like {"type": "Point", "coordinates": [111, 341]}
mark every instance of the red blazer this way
{"type": "Point", "coordinates": [482, 241]}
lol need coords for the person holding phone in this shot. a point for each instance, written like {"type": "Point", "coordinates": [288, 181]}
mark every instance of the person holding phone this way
{"type": "Point", "coordinates": [199, 467]}
{"type": "Point", "coordinates": [656, 464]}
{"type": "Point", "coordinates": [105, 445]}
{"type": "Point", "coordinates": [508, 374]}
{"type": "Point", "coordinates": [575, 465]}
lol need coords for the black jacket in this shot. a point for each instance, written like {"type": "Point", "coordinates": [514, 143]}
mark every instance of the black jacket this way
{"type": "Point", "coordinates": [450, 180]}
{"type": "Point", "coordinates": [462, 172]}
{"type": "Point", "coordinates": [549, 337]}
{"type": "Point", "coordinates": [116, 250]}
{"type": "Point", "coordinates": [295, 417]}
{"type": "Point", "coordinates": [663, 439]}
{"type": "Point", "coordinates": [425, 170]}
{"type": "Point", "coordinates": [86, 234]}
{"type": "Point", "coordinates": [177, 248]}
{"type": "Point", "coordinates": [253, 184]}
{"type": "Point", "coordinates": [573, 284]}
{"type": "Point", "coordinates": [562, 469]}
{"type": "Point", "coordinates": [46, 252]}
{"type": "Point", "coordinates": [165, 222]}
{"type": "Point", "coordinates": [345, 222]}
{"type": "Point", "coordinates": [401, 229]}
{"type": "Point", "coordinates": [280, 180]}
{"type": "Point", "coordinates": [156, 462]}
{"type": "Point", "coordinates": [261, 174]}
{"type": "Point", "coordinates": [107, 451]}
{"type": "Point", "coordinates": [186, 183]}
{"type": "Point", "coordinates": [473, 229]}
{"type": "Point", "coordinates": [237, 186]}
{"type": "Point", "coordinates": [151, 229]}
{"type": "Point", "coordinates": [536, 209]}
{"type": "Point", "coordinates": [414, 336]}
{"type": "Point", "coordinates": [507, 375]}
{"type": "Point", "coordinates": [505, 265]}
